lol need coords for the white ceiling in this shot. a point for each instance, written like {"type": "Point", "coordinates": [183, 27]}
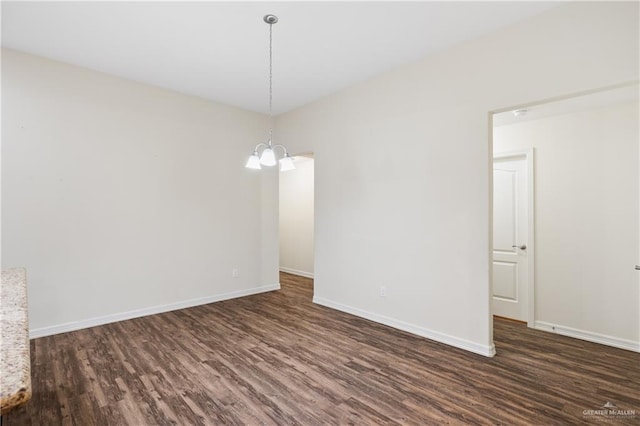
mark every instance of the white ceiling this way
{"type": "Point", "coordinates": [219, 50]}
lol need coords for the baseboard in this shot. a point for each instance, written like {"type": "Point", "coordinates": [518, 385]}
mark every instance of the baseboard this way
{"type": "Point", "coordinates": [486, 350]}
{"type": "Point", "coordinates": [296, 272]}
{"type": "Point", "coordinates": [152, 310]}
{"type": "Point", "coordinates": [588, 336]}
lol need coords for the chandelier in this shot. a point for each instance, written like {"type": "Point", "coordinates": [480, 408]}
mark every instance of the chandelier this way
{"type": "Point", "coordinates": [268, 155]}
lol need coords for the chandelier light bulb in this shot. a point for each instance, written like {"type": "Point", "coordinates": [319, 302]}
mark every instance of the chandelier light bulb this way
{"type": "Point", "coordinates": [254, 161]}
{"type": "Point", "coordinates": [286, 163]}
{"type": "Point", "coordinates": [268, 157]}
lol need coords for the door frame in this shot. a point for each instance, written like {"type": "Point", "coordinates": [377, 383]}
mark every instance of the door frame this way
{"type": "Point", "coordinates": [528, 156]}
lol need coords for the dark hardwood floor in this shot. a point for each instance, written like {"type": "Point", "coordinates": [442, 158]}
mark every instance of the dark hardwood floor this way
{"type": "Point", "coordinates": [276, 358]}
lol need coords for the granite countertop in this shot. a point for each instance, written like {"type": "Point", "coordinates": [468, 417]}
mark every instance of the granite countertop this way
{"type": "Point", "coordinates": [15, 361]}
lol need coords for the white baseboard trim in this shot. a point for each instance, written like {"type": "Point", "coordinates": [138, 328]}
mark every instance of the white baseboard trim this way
{"type": "Point", "coordinates": [588, 335]}
{"type": "Point", "coordinates": [467, 345]}
{"type": "Point", "coordinates": [296, 272]}
{"type": "Point", "coordinates": [152, 310]}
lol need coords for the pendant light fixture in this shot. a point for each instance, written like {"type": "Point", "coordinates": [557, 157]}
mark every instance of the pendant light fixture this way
{"type": "Point", "coordinates": [268, 155]}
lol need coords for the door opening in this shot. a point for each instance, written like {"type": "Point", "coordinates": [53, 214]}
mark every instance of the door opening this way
{"type": "Point", "coordinates": [296, 218]}
{"type": "Point", "coordinates": [587, 216]}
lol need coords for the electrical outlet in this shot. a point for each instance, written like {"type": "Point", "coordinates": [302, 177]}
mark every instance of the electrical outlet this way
{"type": "Point", "coordinates": [234, 273]}
{"type": "Point", "coordinates": [383, 291]}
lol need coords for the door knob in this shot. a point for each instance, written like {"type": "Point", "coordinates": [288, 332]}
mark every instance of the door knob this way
{"type": "Point", "coordinates": [637, 267]}
{"type": "Point", "coordinates": [522, 247]}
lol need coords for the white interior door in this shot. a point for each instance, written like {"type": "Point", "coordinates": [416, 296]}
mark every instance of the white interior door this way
{"type": "Point", "coordinates": [511, 240]}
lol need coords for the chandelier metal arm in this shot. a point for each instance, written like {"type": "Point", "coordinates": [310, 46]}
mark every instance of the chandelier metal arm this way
{"type": "Point", "coordinates": [284, 150]}
{"type": "Point", "coordinates": [273, 147]}
{"type": "Point", "coordinates": [259, 145]}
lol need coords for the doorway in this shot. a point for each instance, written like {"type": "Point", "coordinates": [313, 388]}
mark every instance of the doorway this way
{"type": "Point", "coordinates": [587, 214]}
{"type": "Point", "coordinates": [296, 218]}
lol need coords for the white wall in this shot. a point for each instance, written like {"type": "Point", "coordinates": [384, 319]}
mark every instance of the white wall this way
{"type": "Point", "coordinates": [296, 218]}
{"type": "Point", "coordinates": [402, 166]}
{"type": "Point", "coordinates": [586, 218]}
{"type": "Point", "coordinates": [120, 198]}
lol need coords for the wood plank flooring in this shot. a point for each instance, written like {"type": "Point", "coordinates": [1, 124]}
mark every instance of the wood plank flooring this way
{"type": "Point", "coordinates": [276, 358]}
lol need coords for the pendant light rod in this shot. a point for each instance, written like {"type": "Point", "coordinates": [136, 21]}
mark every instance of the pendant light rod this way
{"type": "Point", "coordinates": [270, 19]}
{"type": "Point", "coordinates": [267, 158]}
